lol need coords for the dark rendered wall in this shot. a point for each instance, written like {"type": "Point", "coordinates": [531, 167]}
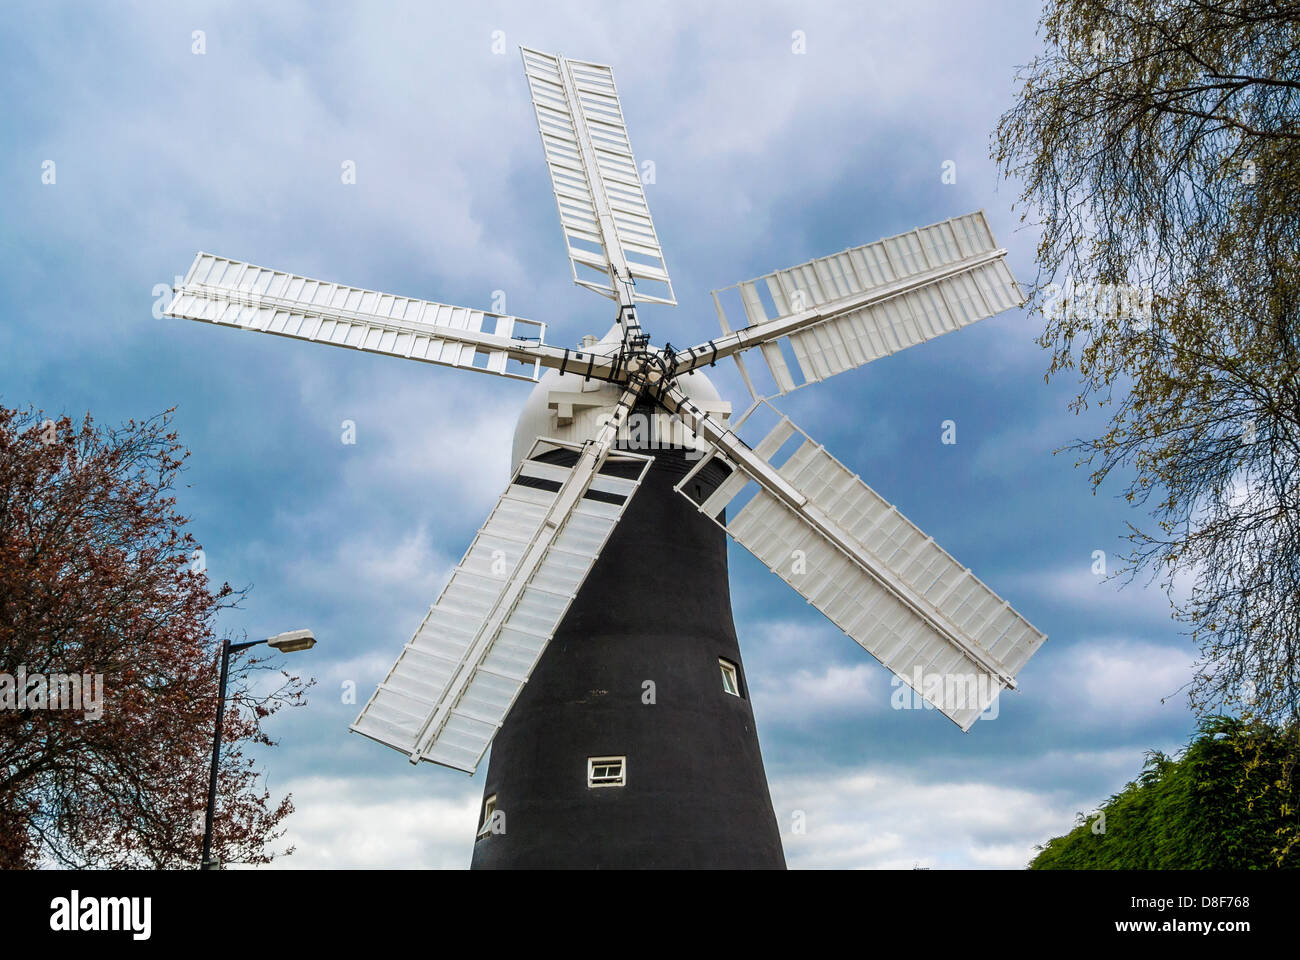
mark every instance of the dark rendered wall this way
{"type": "Point", "coordinates": [655, 607]}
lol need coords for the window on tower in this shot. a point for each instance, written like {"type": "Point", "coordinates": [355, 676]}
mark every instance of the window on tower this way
{"type": "Point", "coordinates": [489, 808]}
{"type": "Point", "coordinates": [606, 771]}
{"type": "Point", "coordinates": [730, 678]}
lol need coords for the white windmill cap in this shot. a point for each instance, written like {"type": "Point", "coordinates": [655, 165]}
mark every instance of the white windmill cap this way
{"type": "Point", "coordinates": [566, 406]}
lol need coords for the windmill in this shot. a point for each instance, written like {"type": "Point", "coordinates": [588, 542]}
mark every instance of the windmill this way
{"type": "Point", "coordinates": [601, 571]}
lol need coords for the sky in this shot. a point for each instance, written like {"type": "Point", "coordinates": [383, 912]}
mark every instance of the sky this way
{"type": "Point", "coordinates": [763, 157]}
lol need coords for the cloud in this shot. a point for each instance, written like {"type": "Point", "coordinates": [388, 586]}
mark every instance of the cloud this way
{"type": "Point", "coordinates": [807, 696]}
{"type": "Point", "coordinates": [1117, 683]}
{"type": "Point", "coordinates": [391, 823]}
{"type": "Point", "coordinates": [879, 818]}
{"type": "Point", "coordinates": [1078, 588]}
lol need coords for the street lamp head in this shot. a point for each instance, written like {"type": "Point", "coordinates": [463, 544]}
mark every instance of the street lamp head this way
{"type": "Point", "coordinates": [293, 641]}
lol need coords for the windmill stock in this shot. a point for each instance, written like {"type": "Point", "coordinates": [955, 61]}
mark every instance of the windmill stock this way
{"type": "Point", "coordinates": [587, 632]}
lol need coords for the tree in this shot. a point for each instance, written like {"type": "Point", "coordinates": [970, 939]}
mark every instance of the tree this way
{"type": "Point", "coordinates": [1229, 802]}
{"type": "Point", "coordinates": [1157, 142]}
{"type": "Point", "coordinates": [109, 686]}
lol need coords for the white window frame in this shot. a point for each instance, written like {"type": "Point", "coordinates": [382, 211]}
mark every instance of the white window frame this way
{"type": "Point", "coordinates": [730, 677]}
{"type": "Point", "coordinates": [593, 762]}
{"type": "Point", "coordinates": [489, 808]}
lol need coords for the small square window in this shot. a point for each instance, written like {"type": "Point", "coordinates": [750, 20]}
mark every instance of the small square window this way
{"type": "Point", "coordinates": [606, 771]}
{"type": "Point", "coordinates": [730, 678]}
{"type": "Point", "coordinates": [489, 808]}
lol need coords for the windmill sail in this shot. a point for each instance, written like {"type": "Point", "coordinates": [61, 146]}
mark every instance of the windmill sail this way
{"type": "Point", "coordinates": [595, 177]}
{"type": "Point", "coordinates": [839, 312]}
{"type": "Point", "coordinates": [456, 680]}
{"type": "Point", "coordinates": [870, 570]}
{"type": "Point", "coordinates": [238, 294]}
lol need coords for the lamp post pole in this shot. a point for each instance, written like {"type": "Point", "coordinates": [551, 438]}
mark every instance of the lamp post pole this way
{"type": "Point", "coordinates": [285, 643]}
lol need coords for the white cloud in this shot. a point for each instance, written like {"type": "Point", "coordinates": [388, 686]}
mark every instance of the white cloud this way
{"type": "Point", "coordinates": [808, 696]}
{"type": "Point", "coordinates": [397, 823]}
{"type": "Point", "coordinates": [363, 668]}
{"type": "Point", "coordinates": [878, 818]}
{"type": "Point", "coordinates": [1077, 587]}
{"type": "Point", "coordinates": [1116, 683]}
{"type": "Point", "coordinates": [419, 429]}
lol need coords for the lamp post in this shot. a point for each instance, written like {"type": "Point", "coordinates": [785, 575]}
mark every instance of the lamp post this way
{"type": "Point", "coordinates": [290, 642]}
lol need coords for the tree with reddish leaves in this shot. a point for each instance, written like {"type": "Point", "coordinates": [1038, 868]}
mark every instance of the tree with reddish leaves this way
{"type": "Point", "coordinates": [99, 578]}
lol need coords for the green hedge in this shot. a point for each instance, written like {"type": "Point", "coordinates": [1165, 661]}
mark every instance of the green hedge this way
{"type": "Point", "coordinates": [1229, 801]}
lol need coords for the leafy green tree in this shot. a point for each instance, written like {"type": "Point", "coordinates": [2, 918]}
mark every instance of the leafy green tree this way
{"type": "Point", "coordinates": [1157, 145]}
{"type": "Point", "coordinates": [1229, 802]}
